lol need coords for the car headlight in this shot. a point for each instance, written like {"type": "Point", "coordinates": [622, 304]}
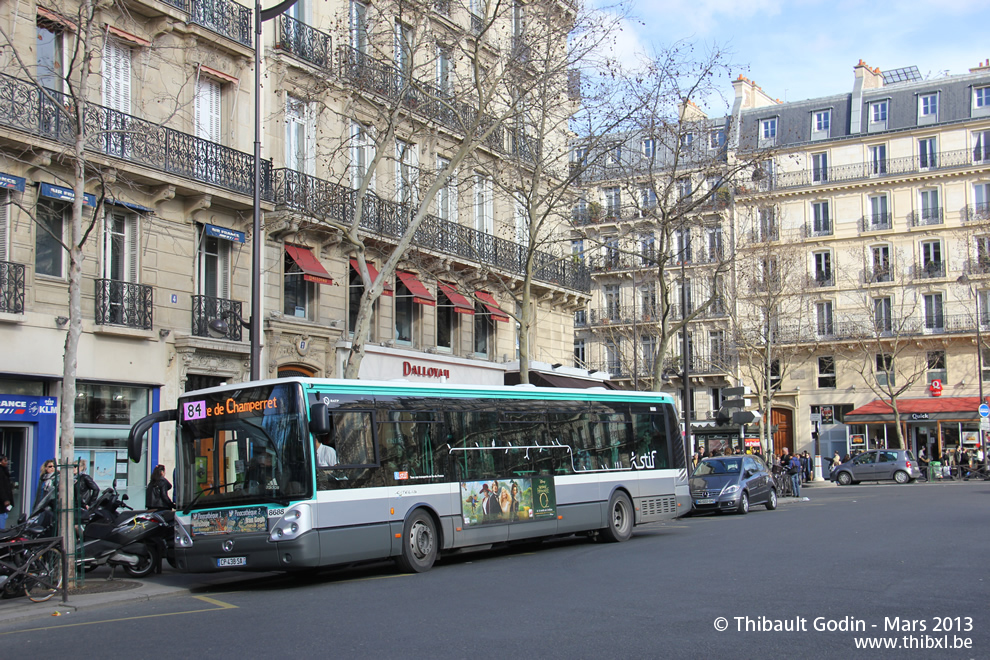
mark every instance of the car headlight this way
{"type": "Point", "coordinates": [729, 490]}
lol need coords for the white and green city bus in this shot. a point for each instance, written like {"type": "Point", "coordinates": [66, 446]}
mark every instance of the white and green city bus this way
{"type": "Point", "coordinates": [413, 470]}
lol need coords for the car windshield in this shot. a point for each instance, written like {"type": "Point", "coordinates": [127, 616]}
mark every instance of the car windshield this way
{"type": "Point", "coordinates": [724, 466]}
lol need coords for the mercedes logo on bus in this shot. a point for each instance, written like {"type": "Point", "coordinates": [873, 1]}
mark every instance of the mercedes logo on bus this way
{"type": "Point", "coordinates": [228, 545]}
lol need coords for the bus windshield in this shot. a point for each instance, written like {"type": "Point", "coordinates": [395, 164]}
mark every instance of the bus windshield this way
{"type": "Point", "coordinates": [242, 446]}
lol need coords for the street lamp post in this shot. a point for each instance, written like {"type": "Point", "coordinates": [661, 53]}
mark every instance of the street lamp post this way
{"type": "Point", "coordinates": [260, 16]}
{"type": "Point", "coordinates": [684, 349]}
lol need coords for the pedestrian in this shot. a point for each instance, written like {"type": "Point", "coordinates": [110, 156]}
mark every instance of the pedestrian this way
{"type": "Point", "coordinates": [808, 464]}
{"type": "Point", "coordinates": [86, 489]}
{"type": "Point", "coordinates": [46, 481]}
{"type": "Point", "coordinates": [156, 495]}
{"type": "Point", "coordinates": [964, 464]}
{"type": "Point", "coordinates": [923, 463]}
{"type": "Point", "coordinates": [794, 469]}
{"type": "Point", "coordinates": [6, 491]}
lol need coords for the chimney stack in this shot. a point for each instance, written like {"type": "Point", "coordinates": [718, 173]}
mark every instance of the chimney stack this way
{"type": "Point", "coordinates": [749, 95]}
{"type": "Point", "coordinates": [872, 78]}
{"type": "Point", "coordinates": [982, 66]}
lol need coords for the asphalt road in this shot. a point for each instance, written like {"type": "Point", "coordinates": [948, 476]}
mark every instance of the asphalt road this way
{"type": "Point", "coordinates": [872, 556]}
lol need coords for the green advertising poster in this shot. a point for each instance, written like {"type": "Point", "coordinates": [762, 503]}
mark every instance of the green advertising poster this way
{"type": "Point", "coordinates": [544, 498]}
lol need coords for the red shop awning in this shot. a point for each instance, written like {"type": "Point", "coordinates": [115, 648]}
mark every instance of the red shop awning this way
{"type": "Point", "coordinates": [373, 273]}
{"type": "Point", "coordinates": [461, 304]}
{"type": "Point", "coordinates": [416, 288]}
{"type": "Point", "coordinates": [488, 301]}
{"type": "Point", "coordinates": [313, 270]}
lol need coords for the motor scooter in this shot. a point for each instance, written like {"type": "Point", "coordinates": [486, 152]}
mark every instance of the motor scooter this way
{"type": "Point", "coordinates": [134, 540]}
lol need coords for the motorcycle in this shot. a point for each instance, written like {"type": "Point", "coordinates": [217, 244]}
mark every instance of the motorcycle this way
{"type": "Point", "coordinates": [137, 541]}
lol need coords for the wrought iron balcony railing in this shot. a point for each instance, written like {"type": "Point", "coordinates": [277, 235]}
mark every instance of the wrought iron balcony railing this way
{"type": "Point", "coordinates": [11, 287]}
{"type": "Point", "coordinates": [878, 275]}
{"type": "Point", "coordinates": [812, 231]}
{"type": "Point", "coordinates": [852, 328]}
{"type": "Point", "coordinates": [868, 170]}
{"type": "Point", "coordinates": [25, 106]}
{"type": "Point", "coordinates": [976, 213]}
{"type": "Point", "coordinates": [925, 217]}
{"type": "Point", "coordinates": [124, 303]}
{"type": "Point", "coordinates": [876, 222]}
{"type": "Point", "coordinates": [382, 79]}
{"type": "Point", "coordinates": [206, 309]}
{"type": "Point", "coordinates": [222, 16]}
{"type": "Point", "coordinates": [323, 200]}
{"type": "Point", "coordinates": [822, 279]}
{"type": "Point", "coordinates": [930, 270]}
{"type": "Point", "coordinates": [305, 42]}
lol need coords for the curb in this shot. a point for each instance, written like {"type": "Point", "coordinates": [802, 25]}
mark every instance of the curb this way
{"type": "Point", "coordinates": [55, 607]}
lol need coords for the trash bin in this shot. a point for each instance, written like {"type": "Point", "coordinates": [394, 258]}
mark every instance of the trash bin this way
{"type": "Point", "coordinates": [934, 471]}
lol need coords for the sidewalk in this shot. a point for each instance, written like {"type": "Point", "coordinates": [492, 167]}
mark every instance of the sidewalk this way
{"type": "Point", "coordinates": [97, 591]}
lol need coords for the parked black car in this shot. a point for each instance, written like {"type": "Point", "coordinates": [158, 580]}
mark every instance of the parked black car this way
{"type": "Point", "coordinates": [732, 483]}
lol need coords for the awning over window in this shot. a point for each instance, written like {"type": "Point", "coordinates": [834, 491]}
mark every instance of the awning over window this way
{"type": "Point", "coordinates": [313, 270]}
{"type": "Point", "coordinates": [66, 194]}
{"type": "Point", "coordinates": [373, 272]}
{"type": "Point", "coordinates": [12, 182]}
{"type": "Point", "coordinates": [416, 288]}
{"type": "Point", "coordinates": [461, 304]}
{"type": "Point", "coordinates": [488, 301]}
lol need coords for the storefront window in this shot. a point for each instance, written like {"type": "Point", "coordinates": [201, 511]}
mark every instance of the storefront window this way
{"type": "Point", "coordinates": [104, 414]}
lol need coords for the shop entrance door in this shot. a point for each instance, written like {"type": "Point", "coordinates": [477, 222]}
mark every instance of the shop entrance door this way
{"type": "Point", "coordinates": [924, 436]}
{"type": "Point", "coordinates": [15, 444]}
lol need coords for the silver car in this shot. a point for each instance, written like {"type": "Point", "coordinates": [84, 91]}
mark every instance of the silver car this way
{"type": "Point", "coordinates": [878, 465]}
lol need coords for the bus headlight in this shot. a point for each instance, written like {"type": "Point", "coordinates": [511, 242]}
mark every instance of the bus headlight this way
{"type": "Point", "coordinates": [294, 522]}
{"type": "Point", "coordinates": [182, 538]}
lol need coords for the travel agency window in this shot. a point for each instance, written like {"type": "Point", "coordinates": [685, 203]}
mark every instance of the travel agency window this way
{"type": "Point", "coordinates": [104, 414]}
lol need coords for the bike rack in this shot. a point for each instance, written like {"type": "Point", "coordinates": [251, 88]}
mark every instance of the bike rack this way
{"type": "Point", "coordinates": [45, 544]}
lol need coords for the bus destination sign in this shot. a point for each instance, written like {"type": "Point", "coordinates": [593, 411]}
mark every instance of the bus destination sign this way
{"type": "Point", "coordinates": [193, 410]}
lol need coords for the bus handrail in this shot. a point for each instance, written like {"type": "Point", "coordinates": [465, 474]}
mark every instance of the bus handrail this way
{"type": "Point", "coordinates": [135, 437]}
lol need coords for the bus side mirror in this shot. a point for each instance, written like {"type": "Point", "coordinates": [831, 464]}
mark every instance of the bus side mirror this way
{"type": "Point", "coordinates": [319, 419]}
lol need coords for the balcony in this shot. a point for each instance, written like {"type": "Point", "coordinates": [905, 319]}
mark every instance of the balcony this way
{"type": "Point", "coordinates": [925, 217]}
{"type": "Point", "coordinates": [976, 213]}
{"type": "Point", "coordinates": [323, 200]}
{"type": "Point", "coordinates": [123, 303]}
{"type": "Point", "coordinates": [206, 309]}
{"type": "Point", "coordinates": [813, 231]}
{"type": "Point", "coordinates": [24, 107]}
{"type": "Point", "coordinates": [623, 314]}
{"type": "Point", "coordinates": [891, 167]}
{"type": "Point", "coordinates": [822, 279]}
{"type": "Point", "coordinates": [929, 270]}
{"type": "Point", "coordinates": [305, 42]}
{"type": "Point", "coordinates": [11, 288]}
{"type": "Point", "coordinates": [225, 18]}
{"type": "Point", "coordinates": [876, 222]}
{"type": "Point", "coordinates": [878, 275]}
{"type": "Point", "coordinates": [382, 79]}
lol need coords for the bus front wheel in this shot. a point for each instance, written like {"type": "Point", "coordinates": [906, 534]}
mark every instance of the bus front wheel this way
{"type": "Point", "coordinates": [419, 543]}
{"type": "Point", "coordinates": [620, 519]}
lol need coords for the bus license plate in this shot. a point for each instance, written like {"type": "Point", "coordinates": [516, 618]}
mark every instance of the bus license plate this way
{"type": "Point", "coordinates": [231, 561]}
{"type": "Point", "coordinates": [708, 501]}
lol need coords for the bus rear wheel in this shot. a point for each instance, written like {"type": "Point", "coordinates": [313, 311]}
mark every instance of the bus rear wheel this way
{"type": "Point", "coordinates": [419, 543]}
{"type": "Point", "coordinates": [620, 519]}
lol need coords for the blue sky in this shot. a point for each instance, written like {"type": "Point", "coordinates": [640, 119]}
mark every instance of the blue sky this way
{"type": "Point", "coordinates": [801, 49]}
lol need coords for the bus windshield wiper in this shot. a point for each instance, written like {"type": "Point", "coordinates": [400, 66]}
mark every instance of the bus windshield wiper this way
{"type": "Point", "coordinates": [212, 489]}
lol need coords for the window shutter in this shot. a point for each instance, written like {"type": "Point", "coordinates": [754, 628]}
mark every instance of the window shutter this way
{"type": "Point", "coordinates": [116, 76]}
{"type": "Point", "coordinates": [208, 110]}
{"type": "Point", "coordinates": [131, 248]}
{"type": "Point", "coordinates": [223, 277]}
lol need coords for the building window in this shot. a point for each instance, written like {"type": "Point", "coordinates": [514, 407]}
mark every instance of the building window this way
{"type": "Point", "coordinates": [612, 302]}
{"type": "Point", "coordinates": [934, 312]}
{"type": "Point", "coordinates": [116, 79]}
{"type": "Point", "coordinates": [355, 290]}
{"type": "Point", "coordinates": [768, 128]}
{"type": "Point", "coordinates": [405, 172]}
{"type": "Point", "coordinates": [879, 215]}
{"type": "Point", "coordinates": [885, 370]}
{"type": "Point", "coordinates": [484, 214]}
{"type": "Point", "coordinates": [767, 227]}
{"type": "Point", "coordinates": [49, 237]}
{"type": "Point", "coordinates": [819, 167]}
{"type": "Point", "coordinates": [826, 371]}
{"type": "Point", "coordinates": [682, 244]}
{"type": "Point", "coordinates": [878, 112]}
{"type": "Point", "coordinates": [405, 313]}
{"type": "Point", "coordinates": [214, 266]}
{"type": "Point", "coordinates": [823, 269]}
{"type": "Point", "coordinates": [580, 354]}
{"type": "Point", "coordinates": [648, 301]}
{"type": "Point", "coordinates": [403, 50]}
{"type": "Point", "coordinates": [208, 113]}
{"type": "Point", "coordinates": [613, 202]}
{"type": "Point", "coordinates": [716, 347]}
{"type": "Point", "coordinates": [823, 319]}
{"type": "Point", "coordinates": [120, 249]}
{"type": "Point", "coordinates": [822, 224]}
{"type": "Point", "coordinates": [716, 138]}
{"type": "Point", "coordinates": [927, 153]}
{"type": "Point", "coordinates": [882, 319]}
{"type": "Point", "coordinates": [611, 251]}
{"type": "Point", "coordinates": [577, 251]}
{"type": "Point", "coordinates": [362, 154]}
{"type": "Point", "coordinates": [297, 136]}
{"type": "Point", "coordinates": [447, 322]}
{"type": "Point", "coordinates": [931, 259]}
{"type": "Point", "coordinates": [647, 249]}
{"type": "Point", "coordinates": [981, 196]}
{"type": "Point", "coordinates": [50, 70]}
{"type": "Point", "coordinates": [614, 155]}
{"type": "Point", "coordinates": [648, 198]}
{"type": "Point", "coordinates": [648, 343]}
{"type": "Point", "coordinates": [821, 122]}
{"type": "Point", "coordinates": [931, 212]}
{"type": "Point", "coordinates": [359, 26]}
{"type": "Point", "coordinates": [687, 140]}
{"type": "Point", "coordinates": [484, 330]}
{"type": "Point", "coordinates": [929, 106]}
{"type": "Point", "coordinates": [649, 147]}
{"type": "Point", "coordinates": [881, 263]}
{"type": "Point", "coordinates": [580, 156]}
{"type": "Point", "coordinates": [878, 159]}
{"type": "Point", "coordinates": [443, 71]}
{"type": "Point", "coordinates": [982, 254]}
{"type": "Point", "coordinates": [936, 366]}
{"type": "Point", "coordinates": [613, 363]}
{"type": "Point", "coordinates": [981, 97]}
{"type": "Point", "coordinates": [714, 244]}
{"type": "Point", "coordinates": [684, 188]}
{"type": "Point", "coordinates": [446, 196]}
{"type": "Point", "coordinates": [581, 318]}
{"type": "Point", "coordinates": [981, 146]}
{"type": "Point", "coordinates": [297, 292]}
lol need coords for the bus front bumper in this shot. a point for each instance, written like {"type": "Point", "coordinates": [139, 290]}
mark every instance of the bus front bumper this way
{"type": "Point", "coordinates": [248, 552]}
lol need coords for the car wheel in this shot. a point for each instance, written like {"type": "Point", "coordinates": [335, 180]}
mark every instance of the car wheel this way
{"type": "Point", "coordinates": [743, 507]}
{"type": "Point", "coordinates": [902, 477]}
{"type": "Point", "coordinates": [844, 478]}
{"type": "Point", "coordinates": [772, 500]}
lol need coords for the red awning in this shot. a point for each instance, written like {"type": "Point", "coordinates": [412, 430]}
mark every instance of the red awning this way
{"type": "Point", "coordinates": [313, 270]}
{"type": "Point", "coordinates": [461, 304]}
{"type": "Point", "coordinates": [373, 273]}
{"type": "Point", "coordinates": [416, 288]}
{"type": "Point", "coordinates": [488, 301]}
